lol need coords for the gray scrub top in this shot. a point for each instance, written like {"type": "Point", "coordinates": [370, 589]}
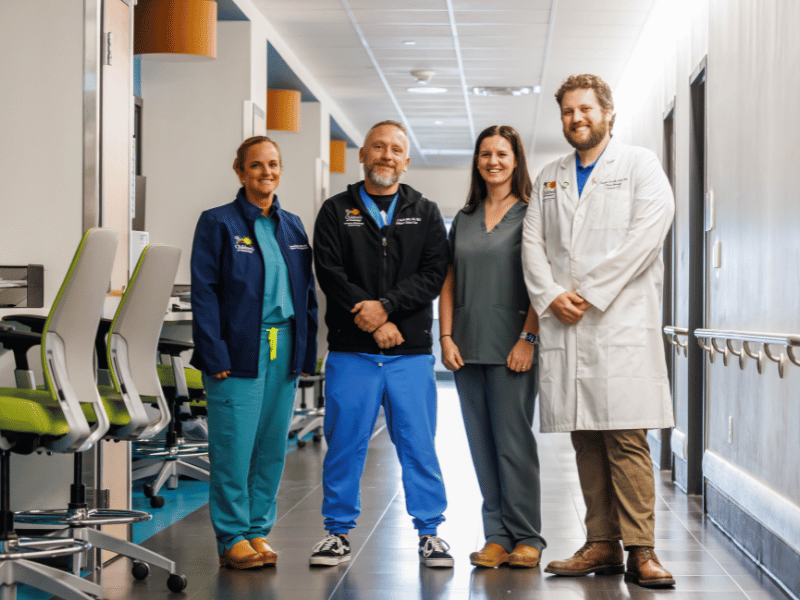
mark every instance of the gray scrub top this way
{"type": "Point", "coordinates": [491, 300]}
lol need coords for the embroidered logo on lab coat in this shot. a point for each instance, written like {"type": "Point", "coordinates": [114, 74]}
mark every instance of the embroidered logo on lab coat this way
{"type": "Point", "coordinates": [243, 244]}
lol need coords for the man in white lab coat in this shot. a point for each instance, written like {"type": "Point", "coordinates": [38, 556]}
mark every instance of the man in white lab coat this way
{"type": "Point", "coordinates": [591, 255]}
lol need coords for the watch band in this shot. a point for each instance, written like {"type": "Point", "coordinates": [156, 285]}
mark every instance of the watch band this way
{"type": "Point", "coordinates": [528, 337]}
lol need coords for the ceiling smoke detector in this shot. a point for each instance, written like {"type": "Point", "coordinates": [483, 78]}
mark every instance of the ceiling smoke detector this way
{"type": "Point", "coordinates": [423, 78]}
{"type": "Point", "coordinates": [490, 90]}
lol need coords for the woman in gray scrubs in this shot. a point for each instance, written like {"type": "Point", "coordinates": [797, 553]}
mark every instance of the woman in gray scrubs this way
{"type": "Point", "coordinates": [489, 340]}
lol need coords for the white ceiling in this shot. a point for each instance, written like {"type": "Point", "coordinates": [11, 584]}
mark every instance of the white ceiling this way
{"type": "Point", "coordinates": [355, 50]}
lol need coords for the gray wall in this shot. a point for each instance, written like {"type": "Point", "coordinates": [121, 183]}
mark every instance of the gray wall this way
{"type": "Point", "coordinates": [752, 87]}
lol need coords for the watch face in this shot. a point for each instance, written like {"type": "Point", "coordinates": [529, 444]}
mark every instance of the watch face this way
{"type": "Point", "coordinates": [530, 338]}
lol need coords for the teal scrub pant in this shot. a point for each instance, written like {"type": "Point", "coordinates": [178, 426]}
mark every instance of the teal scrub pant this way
{"type": "Point", "coordinates": [248, 421]}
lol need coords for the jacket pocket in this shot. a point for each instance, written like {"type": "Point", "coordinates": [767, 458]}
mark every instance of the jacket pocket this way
{"type": "Point", "coordinates": [610, 209]}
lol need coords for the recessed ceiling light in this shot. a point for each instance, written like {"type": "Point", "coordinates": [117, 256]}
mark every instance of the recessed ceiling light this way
{"type": "Point", "coordinates": [409, 42]}
{"type": "Point", "coordinates": [504, 91]}
{"type": "Point", "coordinates": [438, 122]}
{"type": "Point", "coordinates": [426, 89]}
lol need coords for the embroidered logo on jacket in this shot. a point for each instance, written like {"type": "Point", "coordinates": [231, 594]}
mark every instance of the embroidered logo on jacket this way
{"type": "Point", "coordinates": [243, 244]}
{"type": "Point", "coordinates": [353, 217]}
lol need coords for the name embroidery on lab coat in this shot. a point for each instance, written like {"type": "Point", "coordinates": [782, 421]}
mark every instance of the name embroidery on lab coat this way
{"type": "Point", "coordinates": [614, 184]}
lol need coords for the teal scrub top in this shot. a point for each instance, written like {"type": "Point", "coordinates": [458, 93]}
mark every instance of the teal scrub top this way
{"type": "Point", "coordinates": [278, 306]}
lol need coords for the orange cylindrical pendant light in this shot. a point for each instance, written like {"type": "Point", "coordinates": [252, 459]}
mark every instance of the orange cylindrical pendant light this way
{"type": "Point", "coordinates": [283, 110]}
{"type": "Point", "coordinates": [338, 157]}
{"type": "Point", "coordinates": [176, 28]}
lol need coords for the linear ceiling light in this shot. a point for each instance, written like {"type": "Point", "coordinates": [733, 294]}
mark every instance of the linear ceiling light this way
{"type": "Point", "coordinates": [505, 91]}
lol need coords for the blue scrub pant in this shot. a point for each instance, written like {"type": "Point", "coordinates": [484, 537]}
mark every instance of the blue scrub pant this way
{"type": "Point", "coordinates": [355, 387]}
{"type": "Point", "coordinates": [248, 421]}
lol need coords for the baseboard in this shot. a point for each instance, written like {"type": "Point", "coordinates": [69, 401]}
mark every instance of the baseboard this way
{"type": "Point", "coordinates": [767, 549]}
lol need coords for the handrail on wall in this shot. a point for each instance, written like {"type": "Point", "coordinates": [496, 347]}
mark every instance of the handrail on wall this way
{"type": "Point", "coordinates": [672, 337]}
{"type": "Point", "coordinates": [711, 340]}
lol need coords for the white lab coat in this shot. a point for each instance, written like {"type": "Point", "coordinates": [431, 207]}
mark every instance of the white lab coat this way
{"type": "Point", "coordinates": [608, 371]}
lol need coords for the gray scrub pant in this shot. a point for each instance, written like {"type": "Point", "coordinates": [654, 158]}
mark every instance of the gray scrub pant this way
{"type": "Point", "coordinates": [497, 405]}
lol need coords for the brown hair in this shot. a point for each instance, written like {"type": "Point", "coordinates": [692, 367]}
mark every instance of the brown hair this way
{"type": "Point", "coordinates": [601, 90]}
{"type": "Point", "coordinates": [241, 152]}
{"type": "Point", "coordinates": [521, 185]}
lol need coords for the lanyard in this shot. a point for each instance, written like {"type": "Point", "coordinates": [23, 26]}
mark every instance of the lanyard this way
{"type": "Point", "coordinates": [372, 208]}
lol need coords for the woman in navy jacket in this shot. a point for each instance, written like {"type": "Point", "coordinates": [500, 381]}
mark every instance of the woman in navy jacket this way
{"type": "Point", "coordinates": [255, 327]}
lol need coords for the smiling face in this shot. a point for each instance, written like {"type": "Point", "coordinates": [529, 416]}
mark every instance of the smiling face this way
{"type": "Point", "coordinates": [261, 173]}
{"type": "Point", "coordinates": [496, 161]}
{"type": "Point", "coordinates": [385, 157]}
{"type": "Point", "coordinates": [584, 121]}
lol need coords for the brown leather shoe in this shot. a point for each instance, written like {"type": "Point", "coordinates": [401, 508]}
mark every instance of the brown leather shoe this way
{"type": "Point", "coordinates": [524, 556]}
{"type": "Point", "coordinates": [261, 545]}
{"type": "Point", "coordinates": [644, 568]}
{"type": "Point", "coordinates": [603, 558]}
{"type": "Point", "coordinates": [492, 555]}
{"type": "Point", "coordinates": [241, 556]}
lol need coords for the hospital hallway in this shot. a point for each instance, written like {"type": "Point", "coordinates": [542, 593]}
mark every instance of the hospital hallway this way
{"type": "Point", "coordinates": [385, 566]}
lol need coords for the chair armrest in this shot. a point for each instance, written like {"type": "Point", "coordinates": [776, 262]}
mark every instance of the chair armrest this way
{"type": "Point", "coordinates": [20, 342]}
{"type": "Point", "coordinates": [173, 347]}
{"type": "Point", "coordinates": [34, 322]}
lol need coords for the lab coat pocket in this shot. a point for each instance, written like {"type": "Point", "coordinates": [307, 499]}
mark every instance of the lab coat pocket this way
{"type": "Point", "coordinates": [610, 209]}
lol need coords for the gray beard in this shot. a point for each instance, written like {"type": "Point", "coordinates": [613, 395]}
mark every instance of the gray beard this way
{"type": "Point", "coordinates": [382, 182]}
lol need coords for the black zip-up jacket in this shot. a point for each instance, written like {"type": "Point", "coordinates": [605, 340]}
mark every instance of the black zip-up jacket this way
{"type": "Point", "coordinates": [355, 261]}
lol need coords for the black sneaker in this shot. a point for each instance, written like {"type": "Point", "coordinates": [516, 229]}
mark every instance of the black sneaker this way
{"type": "Point", "coordinates": [332, 550]}
{"type": "Point", "coordinates": [433, 552]}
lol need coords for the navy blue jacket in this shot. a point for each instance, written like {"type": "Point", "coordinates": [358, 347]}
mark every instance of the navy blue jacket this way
{"type": "Point", "coordinates": [228, 289]}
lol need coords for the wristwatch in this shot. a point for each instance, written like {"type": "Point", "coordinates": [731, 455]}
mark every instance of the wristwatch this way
{"type": "Point", "coordinates": [387, 304]}
{"type": "Point", "coordinates": [528, 337]}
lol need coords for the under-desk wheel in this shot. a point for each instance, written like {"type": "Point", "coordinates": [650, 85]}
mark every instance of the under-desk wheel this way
{"type": "Point", "coordinates": [157, 501]}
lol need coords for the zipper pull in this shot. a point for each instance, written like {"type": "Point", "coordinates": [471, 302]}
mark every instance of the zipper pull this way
{"type": "Point", "coordinates": [384, 246]}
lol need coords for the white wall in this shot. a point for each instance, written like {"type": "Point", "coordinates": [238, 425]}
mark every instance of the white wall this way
{"type": "Point", "coordinates": [41, 136]}
{"type": "Point", "coordinates": [192, 125]}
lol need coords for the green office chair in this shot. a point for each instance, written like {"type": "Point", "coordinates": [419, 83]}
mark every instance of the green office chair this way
{"type": "Point", "coordinates": [54, 419]}
{"type": "Point", "coordinates": [131, 353]}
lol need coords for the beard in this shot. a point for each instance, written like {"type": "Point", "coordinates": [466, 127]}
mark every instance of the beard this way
{"type": "Point", "coordinates": [380, 180]}
{"type": "Point", "coordinates": [597, 132]}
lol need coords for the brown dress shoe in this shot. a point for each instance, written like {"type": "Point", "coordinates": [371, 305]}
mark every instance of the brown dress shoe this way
{"type": "Point", "coordinates": [261, 545]}
{"type": "Point", "coordinates": [603, 558]}
{"type": "Point", "coordinates": [241, 556]}
{"type": "Point", "coordinates": [492, 555]}
{"type": "Point", "coordinates": [644, 568]}
{"type": "Point", "coordinates": [524, 556]}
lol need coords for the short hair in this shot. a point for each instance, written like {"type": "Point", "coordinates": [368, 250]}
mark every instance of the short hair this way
{"type": "Point", "coordinates": [241, 152]}
{"type": "Point", "coordinates": [521, 185]}
{"type": "Point", "coordinates": [387, 122]}
{"type": "Point", "coordinates": [587, 81]}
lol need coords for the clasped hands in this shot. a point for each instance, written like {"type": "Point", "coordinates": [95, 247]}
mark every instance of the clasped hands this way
{"type": "Point", "coordinates": [569, 307]}
{"type": "Point", "coordinates": [372, 318]}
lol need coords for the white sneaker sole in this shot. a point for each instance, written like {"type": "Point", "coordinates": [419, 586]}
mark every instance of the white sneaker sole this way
{"type": "Point", "coordinates": [436, 562]}
{"type": "Point", "coordinates": [329, 561]}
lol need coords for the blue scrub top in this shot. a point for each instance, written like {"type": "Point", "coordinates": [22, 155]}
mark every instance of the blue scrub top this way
{"type": "Point", "coordinates": [278, 306]}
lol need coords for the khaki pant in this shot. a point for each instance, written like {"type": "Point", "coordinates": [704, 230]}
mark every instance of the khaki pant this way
{"type": "Point", "coordinates": [616, 476]}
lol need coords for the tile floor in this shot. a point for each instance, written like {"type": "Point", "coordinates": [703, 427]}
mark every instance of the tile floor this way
{"type": "Point", "coordinates": [706, 565]}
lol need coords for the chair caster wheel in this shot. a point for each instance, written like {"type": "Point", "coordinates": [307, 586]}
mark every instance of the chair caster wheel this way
{"type": "Point", "coordinates": [292, 435]}
{"type": "Point", "coordinates": [148, 491]}
{"type": "Point", "coordinates": [157, 501]}
{"type": "Point", "coordinates": [301, 443]}
{"type": "Point", "coordinates": [140, 570]}
{"type": "Point", "coordinates": [177, 583]}
{"type": "Point", "coordinates": [317, 438]}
